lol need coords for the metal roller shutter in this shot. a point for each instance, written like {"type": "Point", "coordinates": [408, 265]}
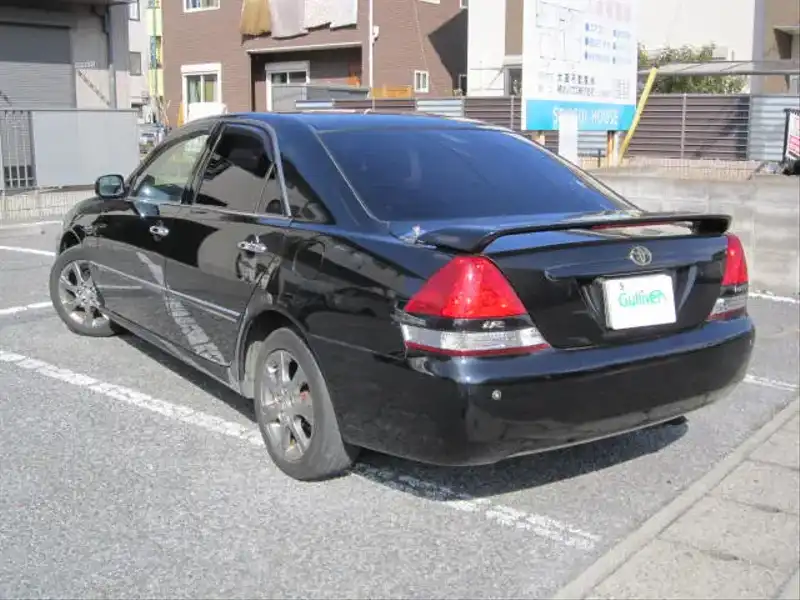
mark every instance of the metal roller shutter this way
{"type": "Point", "coordinates": [36, 68]}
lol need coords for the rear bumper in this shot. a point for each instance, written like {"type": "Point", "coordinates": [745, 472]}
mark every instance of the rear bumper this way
{"type": "Point", "coordinates": [442, 410]}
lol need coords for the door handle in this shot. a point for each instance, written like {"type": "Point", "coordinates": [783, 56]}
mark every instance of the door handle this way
{"type": "Point", "coordinates": [159, 230]}
{"type": "Point", "coordinates": [254, 247]}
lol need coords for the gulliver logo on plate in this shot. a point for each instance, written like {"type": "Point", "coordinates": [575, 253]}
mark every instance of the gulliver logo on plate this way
{"type": "Point", "coordinates": [641, 298]}
{"type": "Point", "coordinates": [641, 301]}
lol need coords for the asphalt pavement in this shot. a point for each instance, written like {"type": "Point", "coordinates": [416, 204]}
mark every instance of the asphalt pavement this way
{"type": "Point", "coordinates": [125, 473]}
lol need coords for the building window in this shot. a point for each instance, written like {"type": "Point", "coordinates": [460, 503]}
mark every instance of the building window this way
{"type": "Point", "coordinates": [279, 77]}
{"type": "Point", "coordinates": [135, 63]}
{"type": "Point", "coordinates": [195, 5]}
{"type": "Point", "coordinates": [281, 73]}
{"type": "Point", "coordinates": [202, 88]}
{"type": "Point", "coordinates": [202, 83]}
{"type": "Point", "coordinates": [421, 82]}
{"type": "Point", "coordinates": [133, 10]}
{"type": "Point", "coordinates": [463, 3]}
{"type": "Point", "coordinates": [153, 3]}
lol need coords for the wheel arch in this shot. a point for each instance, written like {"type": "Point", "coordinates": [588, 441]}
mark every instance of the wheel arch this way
{"type": "Point", "coordinates": [255, 329]}
{"type": "Point", "coordinates": [71, 237]}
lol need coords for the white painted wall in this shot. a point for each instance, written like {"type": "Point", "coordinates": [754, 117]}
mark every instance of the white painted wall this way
{"type": "Point", "coordinates": [726, 23]}
{"type": "Point", "coordinates": [486, 47]}
{"type": "Point", "coordinates": [139, 41]}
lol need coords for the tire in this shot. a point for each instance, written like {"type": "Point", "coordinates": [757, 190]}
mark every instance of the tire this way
{"type": "Point", "coordinates": [297, 420]}
{"type": "Point", "coordinates": [68, 264]}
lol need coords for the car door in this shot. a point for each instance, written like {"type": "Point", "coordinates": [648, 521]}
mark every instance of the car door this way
{"type": "Point", "coordinates": [134, 232]}
{"type": "Point", "coordinates": [229, 242]}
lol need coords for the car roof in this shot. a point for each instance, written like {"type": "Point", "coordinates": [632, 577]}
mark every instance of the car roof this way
{"type": "Point", "coordinates": [342, 120]}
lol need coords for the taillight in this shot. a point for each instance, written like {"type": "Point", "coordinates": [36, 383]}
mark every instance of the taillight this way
{"type": "Point", "coordinates": [735, 263]}
{"type": "Point", "coordinates": [732, 301]}
{"type": "Point", "coordinates": [469, 308]}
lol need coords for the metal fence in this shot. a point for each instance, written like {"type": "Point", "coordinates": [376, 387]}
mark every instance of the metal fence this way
{"type": "Point", "coordinates": [286, 96]}
{"type": "Point", "coordinates": [672, 126]}
{"type": "Point", "coordinates": [16, 150]}
{"type": "Point", "coordinates": [61, 148]}
{"type": "Point", "coordinates": [693, 126]}
{"type": "Point", "coordinates": [767, 124]}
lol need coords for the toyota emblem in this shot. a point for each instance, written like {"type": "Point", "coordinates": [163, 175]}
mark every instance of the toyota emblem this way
{"type": "Point", "coordinates": [640, 256]}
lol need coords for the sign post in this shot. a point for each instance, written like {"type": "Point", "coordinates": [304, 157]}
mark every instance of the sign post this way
{"type": "Point", "coordinates": [579, 56]}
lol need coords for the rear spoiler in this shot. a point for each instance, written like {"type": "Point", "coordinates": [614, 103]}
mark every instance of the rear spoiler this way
{"type": "Point", "coordinates": [474, 239]}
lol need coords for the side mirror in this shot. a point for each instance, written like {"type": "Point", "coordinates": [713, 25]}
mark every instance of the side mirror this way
{"type": "Point", "coordinates": [109, 187]}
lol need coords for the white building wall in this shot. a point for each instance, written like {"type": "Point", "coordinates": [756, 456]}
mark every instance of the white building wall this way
{"type": "Point", "coordinates": [139, 41]}
{"type": "Point", "coordinates": [726, 23]}
{"type": "Point", "coordinates": [486, 47]}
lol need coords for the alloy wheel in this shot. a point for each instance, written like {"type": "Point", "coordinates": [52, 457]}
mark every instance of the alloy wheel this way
{"type": "Point", "coordinates": [287, 405]}
{"type": "Point", "coordinates": [78, 295]}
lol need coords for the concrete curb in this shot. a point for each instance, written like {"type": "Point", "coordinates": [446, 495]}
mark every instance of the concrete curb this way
{"type": "Point", "coordinates": [615, 558]}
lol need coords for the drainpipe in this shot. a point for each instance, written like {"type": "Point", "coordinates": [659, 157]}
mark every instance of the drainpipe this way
{"type": "Point", "coordinates": [105, 20]}
{"type": "Point", "coordinates": [112, 72]}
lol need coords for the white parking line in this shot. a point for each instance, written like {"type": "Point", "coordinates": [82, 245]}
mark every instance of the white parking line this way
{"type": "Point", "coordinates": [28, 250]}
{"type": "Point", "coordinates": [18, 309]}
{"type": "Point", "coordinates": [774, 298]}
{"type": "Point", "coordinates": [28, 225]}
{"type": "Point", "coordinates": [772, 383]}
{"type": "Point", "coordinates": [539, 525]}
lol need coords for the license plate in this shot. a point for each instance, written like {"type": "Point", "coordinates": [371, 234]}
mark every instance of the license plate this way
{"type": "Point", "coordinates": [641, 301]}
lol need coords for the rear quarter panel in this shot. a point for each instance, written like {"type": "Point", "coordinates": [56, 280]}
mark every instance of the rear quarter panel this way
{"type": "Point", "coordinates": [344, 289]}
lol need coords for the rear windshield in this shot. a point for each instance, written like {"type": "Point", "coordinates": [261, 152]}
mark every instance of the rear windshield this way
{"type": "Point", "coordinates": [420, 174]}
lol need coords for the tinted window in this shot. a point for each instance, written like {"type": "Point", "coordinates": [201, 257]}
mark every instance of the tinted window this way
{"type": "Point", "coordinates": [166, 178]}
{"type": "Point", "coordinates": [305, 204]}
{"type": "Point", "coordinates": [418, 174]}
{"type": "Point", "coordinates": [236, 172]}
{"type": "Point", "coordinates": [272, 204]}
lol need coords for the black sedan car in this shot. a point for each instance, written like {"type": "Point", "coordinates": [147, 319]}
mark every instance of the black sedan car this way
{"type": "Point", "coordinates": [440, 290]}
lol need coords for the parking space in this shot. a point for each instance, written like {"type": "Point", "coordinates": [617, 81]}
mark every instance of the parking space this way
{"type": "Point", "coordinates": [127, 473]}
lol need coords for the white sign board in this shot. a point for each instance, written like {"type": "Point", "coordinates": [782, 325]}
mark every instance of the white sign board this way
{"type": "Point", "coordinates": [579, 55]}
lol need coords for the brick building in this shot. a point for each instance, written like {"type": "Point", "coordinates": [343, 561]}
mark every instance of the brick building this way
{"type": "Point", "coordinates": [419, 44]}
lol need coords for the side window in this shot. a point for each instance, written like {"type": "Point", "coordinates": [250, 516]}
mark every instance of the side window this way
{"type": "Point", "coordinates": [236, 172]}
{"type": "Point", "coordinates": [166, 178]}
{"type": "Point", "coordinates": [273, 204]}
{"type": "Point", "coordinates": [303, 201]}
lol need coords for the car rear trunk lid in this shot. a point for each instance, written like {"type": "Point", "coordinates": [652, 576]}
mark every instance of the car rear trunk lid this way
{"type": "Point", "coordinates": [602, 280]}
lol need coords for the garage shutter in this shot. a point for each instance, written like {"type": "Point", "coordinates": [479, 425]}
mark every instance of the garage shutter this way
{"type": "Point", "coordinates": [35, 67]}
